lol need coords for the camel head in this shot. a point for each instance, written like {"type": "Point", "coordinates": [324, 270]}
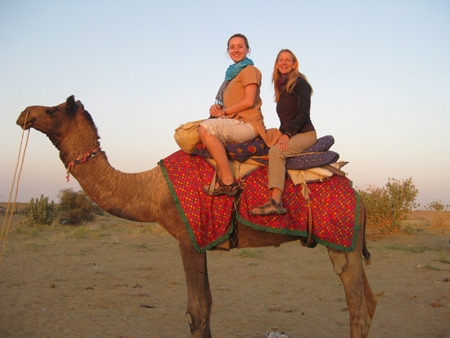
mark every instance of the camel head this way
{"type": "Point", "coordinates": [49, 120]}
{"type": "Point", "coordinates": [67, 125]}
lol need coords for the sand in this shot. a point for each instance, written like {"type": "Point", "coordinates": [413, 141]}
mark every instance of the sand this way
{"type": "Point", "coordinates": [115, 278]}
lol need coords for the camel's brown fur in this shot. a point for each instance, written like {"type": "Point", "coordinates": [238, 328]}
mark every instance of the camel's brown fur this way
{"type": "Point", "coordinates": [145, 197]}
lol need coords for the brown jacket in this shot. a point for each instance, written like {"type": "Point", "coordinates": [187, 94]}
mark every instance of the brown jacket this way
{"type": "Point", "coordinates": [235, 92]}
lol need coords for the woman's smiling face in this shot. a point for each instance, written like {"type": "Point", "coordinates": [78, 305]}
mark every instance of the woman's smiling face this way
{"type": "Point", "coordinates": [285, 63]}
{"type": "Point", "coordinates": [237, 49]}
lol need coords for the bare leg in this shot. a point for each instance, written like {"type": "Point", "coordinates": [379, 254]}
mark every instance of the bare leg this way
{"type": "Point", "coordinates": [218, 152]}
{"type": "Point", "coordinates": [199, 305]}
{"type": "Point", "coordinates": [276, 195]}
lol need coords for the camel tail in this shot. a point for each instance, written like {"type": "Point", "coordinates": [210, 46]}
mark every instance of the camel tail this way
{"type": "Point", "coordinates": [366, 254]}
{"type": "Point", "coordinates": [365, 251]}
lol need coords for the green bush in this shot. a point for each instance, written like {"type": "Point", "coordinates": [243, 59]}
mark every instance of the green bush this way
{"type": "Point", "coordinates": [76, 207]}
{"type": "Point", "coordinates": [436, 205]}
{"type": "Point", "coordinates": [40, 212]}
{"type": "Point", "coordinates": [389, 205]}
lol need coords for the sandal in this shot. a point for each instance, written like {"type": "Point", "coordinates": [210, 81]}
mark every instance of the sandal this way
{"type": "Point", "coordinates": [270, 208]}
{"type": "Point", "coordinates": [224, 189]}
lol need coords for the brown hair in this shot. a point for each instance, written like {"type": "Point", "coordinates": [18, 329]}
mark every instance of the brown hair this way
{"type": "Point", "coordinates": [292, 76]}
{"type": "Point", "coordinates": [239, 36]}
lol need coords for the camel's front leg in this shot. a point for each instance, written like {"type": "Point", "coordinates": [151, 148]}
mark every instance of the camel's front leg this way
{"type": "Point", "coordinates": [348, 266]}
{"type": "Point", "coordinates": [361, 301]}
{"type": "Point", "coordinates": [199, 294]}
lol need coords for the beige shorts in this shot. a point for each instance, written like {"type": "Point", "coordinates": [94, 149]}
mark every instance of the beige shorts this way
{"type": "Point", "coordinates": [230, 130]}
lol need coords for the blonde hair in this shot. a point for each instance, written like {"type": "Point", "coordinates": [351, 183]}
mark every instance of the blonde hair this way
{"type": "Point", "coordinates": [292, 76]}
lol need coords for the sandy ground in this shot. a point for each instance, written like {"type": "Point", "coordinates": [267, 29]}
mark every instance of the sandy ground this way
{"type": "Point", "coordinates": [115, 278]}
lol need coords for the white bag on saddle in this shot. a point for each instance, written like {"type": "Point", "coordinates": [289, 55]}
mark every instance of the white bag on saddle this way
{"type": "Point", "coordinates": [187, 136]}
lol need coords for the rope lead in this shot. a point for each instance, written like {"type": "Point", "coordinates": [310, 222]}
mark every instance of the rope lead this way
{"type": "Point", "coordinates": [12, 187]}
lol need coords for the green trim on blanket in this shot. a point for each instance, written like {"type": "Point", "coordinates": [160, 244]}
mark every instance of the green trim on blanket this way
{"type": "Point", "coordinates": [305, 233]}
{"type": "Point", "coordinates": [185, 219]}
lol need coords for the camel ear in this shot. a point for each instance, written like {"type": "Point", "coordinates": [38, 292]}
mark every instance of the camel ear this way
{"type": "Point", "coordinates": [71, 107]}
{"type": "Point", "coordinates": [80, 105]}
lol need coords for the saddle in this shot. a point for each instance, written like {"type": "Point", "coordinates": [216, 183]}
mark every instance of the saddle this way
{"type": "Point", "coordinates": [314, 164]}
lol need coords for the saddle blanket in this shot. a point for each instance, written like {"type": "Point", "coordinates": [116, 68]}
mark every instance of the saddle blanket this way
{"type": "Point", "coordinates": [334, 205]}
{"type": "Point", "coordinates": [208, 219]}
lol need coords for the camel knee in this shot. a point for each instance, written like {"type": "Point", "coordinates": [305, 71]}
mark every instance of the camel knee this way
{"type": "Point", "coordinates": [339, 260]}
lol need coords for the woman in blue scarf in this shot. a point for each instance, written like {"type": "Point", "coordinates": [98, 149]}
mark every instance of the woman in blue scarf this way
{"type": "Point", "coordinates": [236, 116]}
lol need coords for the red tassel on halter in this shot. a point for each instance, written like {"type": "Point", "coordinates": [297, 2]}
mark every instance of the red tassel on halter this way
{"type": "Point", "coordinates": [81, 159]}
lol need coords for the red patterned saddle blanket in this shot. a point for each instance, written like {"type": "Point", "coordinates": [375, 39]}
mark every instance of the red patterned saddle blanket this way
{"type": "Point", "coordinates": [208, 219]}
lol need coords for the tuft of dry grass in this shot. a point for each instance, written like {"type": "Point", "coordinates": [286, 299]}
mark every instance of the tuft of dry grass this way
{"type": "Point", "coordinates": [439, 219]}
{"type": "Point", "coordinates": [250, 253]}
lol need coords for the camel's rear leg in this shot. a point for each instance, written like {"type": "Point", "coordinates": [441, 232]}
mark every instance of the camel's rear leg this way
{"type": "Point", "coordinates": [361, 301]}
{"type": "Point", "coordinates": [199, 294]}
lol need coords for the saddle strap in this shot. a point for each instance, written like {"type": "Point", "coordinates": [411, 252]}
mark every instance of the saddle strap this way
{"type": "Point", "coordinates": [310, 241]}
{"type": "Point", "coordinates": [305, 194]}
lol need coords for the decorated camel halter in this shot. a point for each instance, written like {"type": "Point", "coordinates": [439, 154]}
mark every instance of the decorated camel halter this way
{"type": "Point", "coordinates": [82, 159]}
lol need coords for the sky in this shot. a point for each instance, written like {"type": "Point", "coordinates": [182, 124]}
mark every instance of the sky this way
{"type": "Point", "coordinates": [380, 71]}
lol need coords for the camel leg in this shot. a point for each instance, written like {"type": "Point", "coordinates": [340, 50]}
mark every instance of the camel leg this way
{"type": "Point", "coordinates": [361, 301]}
{"type": "Point", "coordinates": [199, 294]}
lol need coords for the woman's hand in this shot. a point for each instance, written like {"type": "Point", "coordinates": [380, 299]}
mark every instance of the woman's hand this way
{"type": "Point", "coordinates": [283, 142]}
{"type": "Point", "coordinates": [216, 110]}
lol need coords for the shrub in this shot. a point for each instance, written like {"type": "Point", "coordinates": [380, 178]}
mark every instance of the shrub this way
{"type": "Point", "coordinates": [438, 213]}
{"type": "Point", "coordinates": [40, 212]}
{"type": "Point", "coordinates": [389, 205]}
{"type": "Point", "coordinates": [76, 207]}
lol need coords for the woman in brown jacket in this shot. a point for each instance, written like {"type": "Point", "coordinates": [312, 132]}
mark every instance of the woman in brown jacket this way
{"type": "Point", "coordinates": [236, 116]}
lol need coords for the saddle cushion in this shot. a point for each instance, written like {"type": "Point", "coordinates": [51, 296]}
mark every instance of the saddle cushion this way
{"type": "Point", "coordinates": [305, 161]}
{"type": "Point", "coordinates": [315, 156]}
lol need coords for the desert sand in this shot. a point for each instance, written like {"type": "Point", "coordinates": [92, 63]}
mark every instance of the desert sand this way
{"type": "Point", "coordinates": [116, 278]}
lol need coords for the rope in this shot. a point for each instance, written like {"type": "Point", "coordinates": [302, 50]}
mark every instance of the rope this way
{"type": "Point", "coordinates": [305, 194]}
{"type": "Point", "coordinates": [12, 188]}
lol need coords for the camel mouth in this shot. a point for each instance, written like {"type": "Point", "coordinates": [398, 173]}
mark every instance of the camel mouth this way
{"type": "Point", "coordinates": [28, 125]}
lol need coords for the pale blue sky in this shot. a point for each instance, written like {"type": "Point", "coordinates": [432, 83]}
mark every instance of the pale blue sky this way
{"type": "Point", "coordinates": [380, 72]}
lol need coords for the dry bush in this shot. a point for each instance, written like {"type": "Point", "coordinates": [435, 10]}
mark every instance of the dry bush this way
{"type": "Point", "coordinates": [386, 207]}
{"type": "Point", "coordinates": [437, 214]}
{"type": "Point", "coordinates": [76, 207]}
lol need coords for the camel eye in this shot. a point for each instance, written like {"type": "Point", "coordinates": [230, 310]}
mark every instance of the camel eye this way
{"type": "Point", "coordinates": [51, 111]}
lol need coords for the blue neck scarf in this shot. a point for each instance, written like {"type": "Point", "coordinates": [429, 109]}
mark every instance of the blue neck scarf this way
{"type": "Point", "coordinates": [230, 74]}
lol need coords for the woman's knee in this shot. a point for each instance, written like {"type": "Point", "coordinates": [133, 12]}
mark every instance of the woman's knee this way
{"type": "Point", "coordinates": [207, 132]}
{"type": "Point", "coordinates": [274, 150]}
{"type": "Point", "coordinates": [201, 131]}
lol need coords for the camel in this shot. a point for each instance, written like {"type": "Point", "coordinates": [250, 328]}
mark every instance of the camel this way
{"type": "Point", "coordinates": [145, 197]}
